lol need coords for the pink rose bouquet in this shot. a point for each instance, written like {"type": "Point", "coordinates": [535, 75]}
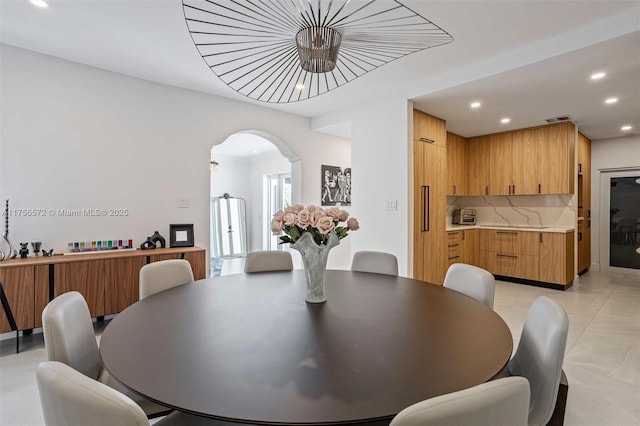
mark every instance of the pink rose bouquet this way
{"type": "Point", "coordinates": [297, 219]}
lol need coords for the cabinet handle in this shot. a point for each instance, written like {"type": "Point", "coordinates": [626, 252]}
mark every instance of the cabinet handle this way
{"type": "Point", "coordinates": [514, 190]}
{"type": "Point", "coordinates": [454, 190]}
{"type": "Point", "coordinates": [507, 256]}
{"type": "Point", "coordinates": [541, 237]}
{"type": "Point", "coordinates": [454, 257]}
{"type": "Point", "coordinates": [506, 233]}
{"type": "Point", "coordinates": [453, 245]}
{"type": "Point", "coordinates": [427, 140]}
{"type": "Point", "coordinates": [579, 236]}
{"type": "Point", "coordinates": [539, 188]}
{"type": "Point", "coordinates": [579, 167]}
{"type": "Point", "coordinates": [463, 236]}
{"type": "Point", "coordinates": [588, 223]}
{"type": "Point", "coordinates": [486, 190]}
{"type": "Point", "coordinates": [425, 208]}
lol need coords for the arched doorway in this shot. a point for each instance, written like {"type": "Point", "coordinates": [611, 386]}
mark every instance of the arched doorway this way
{"type": "Point", "coordinates": [252, 174]}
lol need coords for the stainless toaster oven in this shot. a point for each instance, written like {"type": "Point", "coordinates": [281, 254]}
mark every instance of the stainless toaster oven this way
{"type": "Point", "coordinates": [464, 217]}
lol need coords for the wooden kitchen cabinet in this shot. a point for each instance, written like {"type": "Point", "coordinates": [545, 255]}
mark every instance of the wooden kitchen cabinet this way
{"type": "Point", "coordinates": [501, 163]}
{"type": "Point", "coordinates": [478, 165]}
{"type": "Point", "coordinates": [538, 160]}
{"type": "Point", "coordinates": [530, 255]}
{"type": "Point", "coordinates": [456, 164]}
{"type": "Point", "coordinates": [584, 203]}
{"type": "Point", "coordinates": [556, 257]}
{"type": "Point", "coordinates": [462, 247]}
{"type": "Point", "coordinates": [429, 195]}
{"type": "Point", "coordinates": [556, 158]}
{"type": "Point", "coordinates": [429, 129]}
{"type": "Point", "coordinates": [525, 158]}
{"type": "Point", "coordinates": [509, 253]}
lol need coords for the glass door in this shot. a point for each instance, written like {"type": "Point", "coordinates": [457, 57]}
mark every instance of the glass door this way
{"type": "Point", "coordinates": [277, 197]}
{"type": "Point", "coordinates": [228, 226]}
{"type": "Point", "coordinates": [620, 229]}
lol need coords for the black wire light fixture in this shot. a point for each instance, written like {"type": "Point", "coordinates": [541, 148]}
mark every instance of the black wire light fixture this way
{"type": "Point", "coordinates": [283, 51]}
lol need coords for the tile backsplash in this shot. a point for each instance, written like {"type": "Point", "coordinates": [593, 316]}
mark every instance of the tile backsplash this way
{"type": "Point", "coordinates": [518, 210]}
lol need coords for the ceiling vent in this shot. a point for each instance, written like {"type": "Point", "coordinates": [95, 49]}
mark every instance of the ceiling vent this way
{"type": "Point", "coordinates": [559, 119]}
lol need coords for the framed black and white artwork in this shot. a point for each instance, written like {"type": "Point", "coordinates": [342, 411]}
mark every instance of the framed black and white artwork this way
{"type": "Point", "coordinates": [181, 235]}
{"type": "Point", "coordinates": [336, 186]}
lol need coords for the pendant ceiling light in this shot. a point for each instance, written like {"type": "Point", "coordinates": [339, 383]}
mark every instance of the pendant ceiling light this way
{"type": "Point", "coordinates": [282, 51]}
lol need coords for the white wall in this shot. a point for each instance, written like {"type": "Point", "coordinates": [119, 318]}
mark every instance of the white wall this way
{"type": "Point", "coordinates": [380, 159]}
{"type": "Point", "coordinates": [608, 154]}
{"type": "Point", "coordinates": [75, 137]}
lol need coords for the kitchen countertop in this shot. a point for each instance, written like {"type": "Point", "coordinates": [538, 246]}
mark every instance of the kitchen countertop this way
{"type": "Point", "coordinates": [559, 229]}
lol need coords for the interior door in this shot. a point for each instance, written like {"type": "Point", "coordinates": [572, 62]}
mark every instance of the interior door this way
{"type": "Point", "coordinates": [277, 197]}
{"type": "Point", "coordinates": [620, 223]}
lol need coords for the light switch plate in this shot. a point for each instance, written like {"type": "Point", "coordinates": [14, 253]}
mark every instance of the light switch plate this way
{"type": "Point", "coordinates": [391, 205]}
{"type": "Point", "coordinates": [183, 203]}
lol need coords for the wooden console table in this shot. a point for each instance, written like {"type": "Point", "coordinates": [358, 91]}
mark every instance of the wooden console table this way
{"type": "Point", "coordinates": [109, 281]}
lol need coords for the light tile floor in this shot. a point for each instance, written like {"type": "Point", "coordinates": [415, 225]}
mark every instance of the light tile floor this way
{"type": "Point", "coordinates": [602, 360]}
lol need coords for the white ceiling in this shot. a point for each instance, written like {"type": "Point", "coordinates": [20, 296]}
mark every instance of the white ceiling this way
{"type": "Point", "coordinates": [534, 43]}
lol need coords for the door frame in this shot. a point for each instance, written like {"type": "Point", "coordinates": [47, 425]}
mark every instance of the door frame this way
{"type": "Point", "coordinates": [604, 225]}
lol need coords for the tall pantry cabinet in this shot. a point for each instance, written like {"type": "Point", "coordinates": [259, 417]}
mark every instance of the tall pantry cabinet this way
{"type": "Point", "coordinates": [430, 182]}
{"type": "Point", "coordinates": [584, 203]}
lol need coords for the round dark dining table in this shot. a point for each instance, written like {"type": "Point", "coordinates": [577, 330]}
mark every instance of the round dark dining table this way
{"type": "Point", "coordinates": [247, 348]}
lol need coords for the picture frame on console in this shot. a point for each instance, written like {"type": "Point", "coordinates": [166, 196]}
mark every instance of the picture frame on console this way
{"type": "Point", "coordinates": [181, 235]}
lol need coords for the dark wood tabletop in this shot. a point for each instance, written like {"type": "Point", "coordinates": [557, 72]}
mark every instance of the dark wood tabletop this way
{"type": "Point", "coordinates": [247, 348]}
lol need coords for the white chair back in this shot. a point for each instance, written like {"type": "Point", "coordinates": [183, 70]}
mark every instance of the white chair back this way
{"type": "Point", "coordinates": [540, 356]}
{"type": "Point", "coordinates": [473, 281]}
{"type": "Point", "coordinates": [376, 262]}
{"type": "Point", "coordinates": [68, 334]}
{"type": "Point", "coordinates": [267, 261]}
{"type": "Point", "coordinates": [502, 402]}
{"type": "Point", "coordinates": [69, 397]}
{"type": "Point", "coordinates": [163, 275]}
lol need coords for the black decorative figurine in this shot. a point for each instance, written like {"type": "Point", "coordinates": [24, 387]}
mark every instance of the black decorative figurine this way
{"type": "Point", "coordinates": [24, 250]}
{"type": "Point", "coordinates": [148, 244]}
{"type": "Point", "coordinates": [157, 238]}
{"type": "Point", "coordinates": [47, 253]}
{"type": "Point", "coordinates": [151, 242]}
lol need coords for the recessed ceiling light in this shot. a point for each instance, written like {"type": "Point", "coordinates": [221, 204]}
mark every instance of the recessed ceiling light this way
{"type": "Point", "coordinates": [626, 127]}
{"type": "Point", "coordinates": [475, 104]}
{"type": "Point", "coordinates": [597, 76]}
{"type": "Point", "coordinates": [39, 3]}
{"type": "Point", "coordinates": [255, 151]}
{"type": "Point", "coordinates": [611, 101]}
{"type": "Point", "coordinates": [505, 120]}
{"type": "Point", "coordinates": [299, 86]}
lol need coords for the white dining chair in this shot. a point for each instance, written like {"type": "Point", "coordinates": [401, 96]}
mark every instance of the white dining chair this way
{"type": "Point", "coordinates": [70, 398]}
{"type": "Point", "coordinates": [163, 275]}
{"type": "Point", "coordinates": [376, 262]}
{"type": "Point", "coordinates": [473, 281]}
{"type": "Point", "coordinates": [503, 402]}
{"type": "Point", "coordinates": [69, 338]}
{"type": "Point", "coordinates": [540, 356]}
{"type": "Point", "coordinates": [267, 261]}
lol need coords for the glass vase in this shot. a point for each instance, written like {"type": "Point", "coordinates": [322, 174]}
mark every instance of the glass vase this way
{"type": "Point", "coordinates": [314, 260]}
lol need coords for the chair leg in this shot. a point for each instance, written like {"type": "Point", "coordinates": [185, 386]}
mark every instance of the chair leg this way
{"type": "Point", "coordinates": [557, 418]}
